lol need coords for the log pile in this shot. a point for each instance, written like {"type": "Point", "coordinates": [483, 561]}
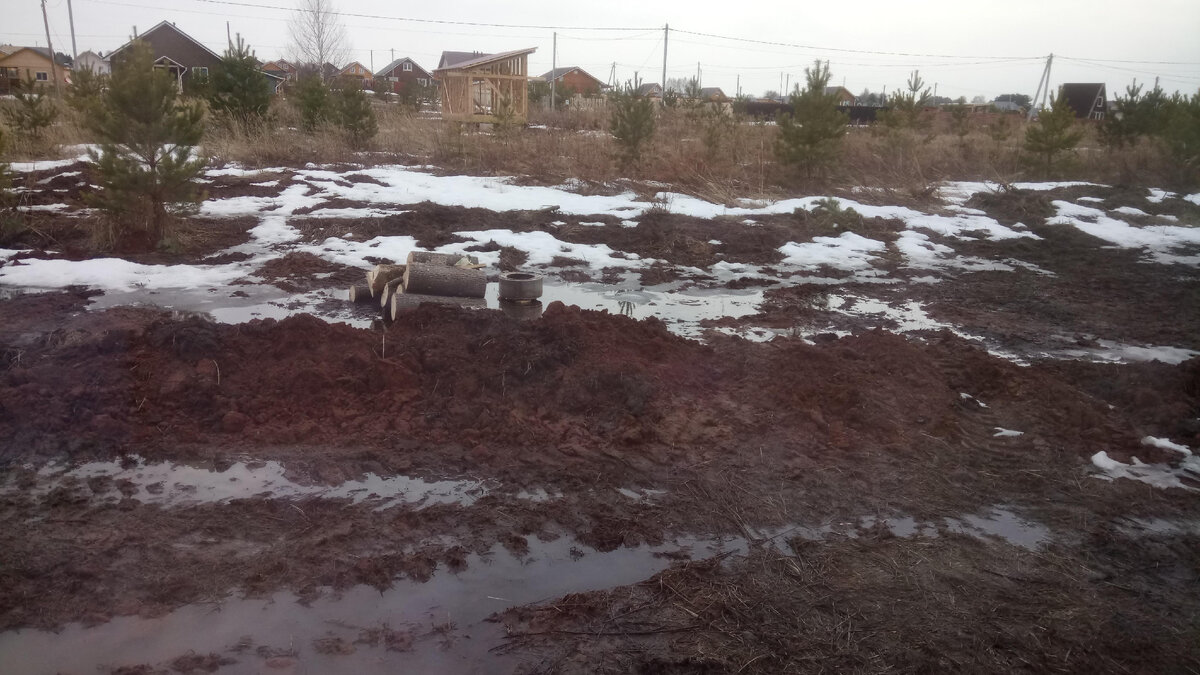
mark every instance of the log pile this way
{"type": "Point", "coordinates": [425, 277]}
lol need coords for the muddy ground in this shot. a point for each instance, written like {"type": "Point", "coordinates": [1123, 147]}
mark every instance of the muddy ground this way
{"type": "Point", "coordinates": [599, 434]}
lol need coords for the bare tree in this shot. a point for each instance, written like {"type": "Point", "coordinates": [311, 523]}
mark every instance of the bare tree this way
{"type": "Point", "coordinates": [318, 36]}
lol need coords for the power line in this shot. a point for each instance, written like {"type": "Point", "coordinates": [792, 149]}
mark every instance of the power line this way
{"type": "Point", "coordinates": [842, 49]}
{"type": "Point", "coordinates": [437, 21]}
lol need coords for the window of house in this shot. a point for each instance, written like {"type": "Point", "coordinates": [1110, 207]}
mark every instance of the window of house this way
{"type": "Point", "coordinates": [42, 76]}
{"type": "Point", "coordinates": [407, 67]}
{"type": "Point", "coordinates": [202, 71]}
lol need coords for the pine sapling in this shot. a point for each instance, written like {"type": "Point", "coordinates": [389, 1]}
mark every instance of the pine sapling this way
{"type": "Point", "coordinates": [632, 122]}
{"type": "Point", "coordinates": [1054, 133]}
{"type": "Point", "coordinates": [237, 89]}
{"type": "Point", "coordinates": [355, 116]}
{"type": "Point", "coordinates": [33, 111]}
{"type": "Point", "coordinates": [810, 135]}
{"type": "Point", "coordinates": [146, 160]}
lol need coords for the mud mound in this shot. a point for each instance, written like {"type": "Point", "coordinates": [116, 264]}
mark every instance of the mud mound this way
{"type": "Point", "coordinates": [450, 387]}
{"type": "Point", "coordinates": [299, 270]}
{"type": "Point", "coordinates": [1010, 205]}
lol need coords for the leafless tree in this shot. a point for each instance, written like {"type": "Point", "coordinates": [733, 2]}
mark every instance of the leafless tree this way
{"type": "Point", "coordinates": [317, 35]}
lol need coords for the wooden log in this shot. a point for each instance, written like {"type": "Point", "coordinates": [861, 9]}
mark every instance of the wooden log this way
{"type": "Point", "coordinates": [380, 275]}
{"type": "Point", "coordinates": [360, 294]}
{"type": "Point", "coordinates": [405, 301]}
{"type": "Point", "coordinates": [392, 287]}
{"type": "Point", "coordinates": [429, 279]}
{"type": "Point", "coordinates": [448, 259]}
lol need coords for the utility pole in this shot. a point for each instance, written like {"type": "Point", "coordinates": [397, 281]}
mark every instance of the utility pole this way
{"type": "Point", "coordinates": [372, 61]}
{"type": "Point", "coordinates": [739, 86]}
{"type": "Point", "coordinates": [612, 75]}
{"type": "Point", "coordinates": [228, 37]}
{"type": "Point", "coordinates": [71, 18]}
{"type": "Point", "coordinates": [553, 67]}
{"type": "Point", "coordinates": [1043, 89]}
{"type": "Point", "coordinates": [787, 85]}
{"type": "Point", "coordinates": [697, 75]}
{"type": "Point", "coordinates": [663, 84]}
{"type": "Point", "coordinates": [50, 46]}
{"type": "Point", "coordinates": [393, 53]}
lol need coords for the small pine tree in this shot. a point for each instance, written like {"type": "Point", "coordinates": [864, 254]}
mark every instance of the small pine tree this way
{"type": "Point", "coordinates": [810, 136]}
{"type": "Point", "coordinates": [354, 115]}
{"type": "Point", "coordinates": [314, 102]}
{"type": "Point", "coordinates": [960, 121]}
{"type": "Point", "coordinates": [147, 136]}
{"type": "Point", "coordinates": [86, 95]}
{"type": "Point", "coordinates": [33, 111]}
{"type": "Point", "coordinates": [1180, 136]}
{"type": "Point", "coordinates": [237, 89]}
{"type": "Point", "coordinates": [632, 122]}
{"type": "Point", "coordinates": [1053, 134]}
{"type": "Point", "coordinates": [904, 111]}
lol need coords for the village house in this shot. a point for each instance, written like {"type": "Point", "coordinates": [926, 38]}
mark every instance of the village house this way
{"type": "Point", "coordinates": [575, 79]}
{"type": "Point", "coordinates": [843, 95]}
{"type": "Point", "coordinates": [20, 63]}
{"type": "Point", "coordinates": [1089, 100]}
{"type": "Point", "coordinates": [281, 69]}
{"type": "Point", "coordinates": [356, 73]}
{"type": "Point", "coordinates": [404, 74]}
{"type": "Point", "coordinates": [713, 95]}
{"type": "Point", "coordinates": [650, 90]}
{"type": "Point", "coordinates": [92, 61]}
{"type": "Point", "coordinates": [174, 51]}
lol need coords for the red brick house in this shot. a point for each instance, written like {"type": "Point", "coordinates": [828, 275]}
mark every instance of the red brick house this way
{"type": "Point", "coordinates": [174, 51]}
{"type": "Point", "coordinates": [404, 73]}
{"type": "Point", "coordinates": [576, 79]}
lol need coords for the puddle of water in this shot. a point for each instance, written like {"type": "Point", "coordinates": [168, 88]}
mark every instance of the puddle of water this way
{"type": "Point", "coordinates": [168, 484]}
{"type": "Point", "coordinates": [256, 302]}
{"type": "Point", "coordinates": [455, 603]}
{"type": "Point", "coordinates": [1003, 524]}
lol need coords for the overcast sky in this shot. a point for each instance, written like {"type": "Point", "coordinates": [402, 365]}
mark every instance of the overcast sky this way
{"type": "Point", "coordinates": [966, 47]}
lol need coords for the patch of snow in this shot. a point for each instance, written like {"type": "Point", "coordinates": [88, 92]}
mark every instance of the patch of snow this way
{"type": "Point", "coordinates": [593, 224]}
{"type": "Point", "coordinates": [6, 253]}
{"type": "Point", "coordinates": [44, 165]}
{"type": "Point", "coordinates": [1157, 196]}
{"type": "Point", "coordinates": [1130, 211]}
{"type": "Point", "coordinates": [1195, 199]}
{"type": "Point", "coordinates": [43, 207]}
{"type": "Point", "coordinates": [287, 202]}
{"type": "Point", "coordinates": [116, 274]}
{"type": "Point", "coordinates": [1091, 199]}
{"type": "Point", "coordinates": [715, 242]}
{"type": "Point", "coordinates": [350, 213]}
{"type": "Point", "coordinates": [1166, 444]}
{"type": "Point", "coordinates": [65, 174]}
{"type": "Point", "coordinates": [354, 253]}
{"type": "Point", "coordinates": [1158, 475]}
{"type": "Point", "coordinates": [1001, 432]}
{"type": "Point", "coordinates": [1157, 240]}
{"type": "Point", "coordinates": [266, 183]}
{"type": "Point", "coordinates": [848, 252]}
{"type": "Point", "coordinates": [542, 247]}
{"type": "Point", "coordinates": [629, 223]}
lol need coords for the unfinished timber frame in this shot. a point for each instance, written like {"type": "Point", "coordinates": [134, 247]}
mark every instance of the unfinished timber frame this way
{"type": "Point", "coordinates": [476, 90]}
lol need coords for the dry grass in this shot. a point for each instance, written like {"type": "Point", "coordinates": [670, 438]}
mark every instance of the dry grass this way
{"type": "Point", "coordinates": [718, 162]}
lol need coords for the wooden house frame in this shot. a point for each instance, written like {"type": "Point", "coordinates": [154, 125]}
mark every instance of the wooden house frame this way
{"type": "Point", "coordinates": [472, 90]}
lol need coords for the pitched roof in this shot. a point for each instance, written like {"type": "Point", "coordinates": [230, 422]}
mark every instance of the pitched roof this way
{"type": "Point", "coordinates": [171, 26]}
{"type": "Point", "coordinates": [396, 64]}
{"type": "Point", "coordinates": [711, 92]}
{"type": "Point", "coordinates": [559, 72]}
{"type": "Point", "coordinates": [452, 58]}
{"type": "Point", "coordinates": [42, 51]}
{"type": "Point", "coordinates": [351, 65]}
{"type": "Point", "coordinates": [1082, 96]}
{"type": "Point", "coordinates": [485, 59]}
{"type": "Point", "coordinates": [648, 89]}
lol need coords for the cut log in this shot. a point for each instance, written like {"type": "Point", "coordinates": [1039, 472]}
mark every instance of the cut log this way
{"type": "Point", "coordinates": [360, 294]}
{"type": "Point", "coordinates": [447, 259]}
{"type": "Point", "coordinates": [380, 275]}
{"type": "Point", "coordinates": [405, 301]}
{"type": "Point", "coordinates": [525, 310]}
{"type": "Point", "coordinates": [392, 287]}
{"type": "Point", "coordinates": [429, 279]}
